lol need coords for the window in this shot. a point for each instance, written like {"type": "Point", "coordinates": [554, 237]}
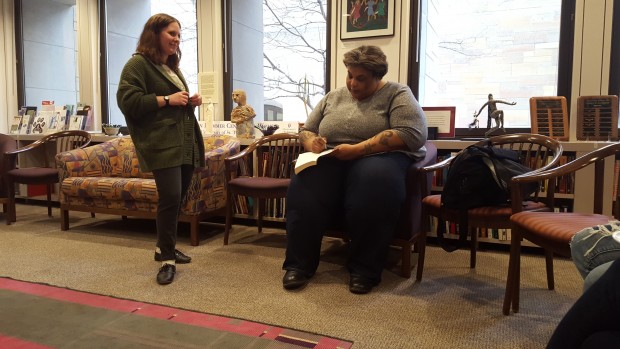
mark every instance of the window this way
{"type": "Point", "coordinates": [510, 49]}
{"type": "Point", "coordinates": [278, 55]}
{"type": "Point", "coordinates": [47, 48]}
{"type": "Point", "coordinates": [124, 21]}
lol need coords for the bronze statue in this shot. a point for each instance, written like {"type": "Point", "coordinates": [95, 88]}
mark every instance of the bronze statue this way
{"type": "Point", "coordinates": [494, 114]}
{"type": "Point", "coordinates": [242, 115]}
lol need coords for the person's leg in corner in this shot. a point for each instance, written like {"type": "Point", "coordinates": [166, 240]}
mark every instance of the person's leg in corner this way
{"type": "Point", "coordinates": [172, 184]}
{"type": "Point", "coordinates": [312, 199]}
{"type": "Point", "coordinates": [593, 247]}
{"type": "Point", "coordinates": [594, 318]}
{"type": "Point", "coordinates": [376, 190]}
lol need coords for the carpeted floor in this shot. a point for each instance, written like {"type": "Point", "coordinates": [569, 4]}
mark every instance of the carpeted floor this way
{"type": "Point", "coordinates": [62, 318]}
{"type": "Point", "coordinates": [452, 307]}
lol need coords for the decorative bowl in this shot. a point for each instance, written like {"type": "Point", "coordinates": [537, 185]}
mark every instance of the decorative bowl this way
{"type": "Point", "coordinates": [111, 131]}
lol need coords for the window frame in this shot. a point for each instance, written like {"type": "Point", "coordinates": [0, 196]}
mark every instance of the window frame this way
{"type": "Point", "coordinates": [227, 66]}
{"type": "Point", "coordinates": [565, 60]}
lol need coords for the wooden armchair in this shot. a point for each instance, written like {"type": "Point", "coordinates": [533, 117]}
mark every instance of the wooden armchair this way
{"type": "Point", "coordinates": [551, 230]}
{"type": "Point", "coordinates": [261, 171]}
{"type": "Point", "coordinates": [47, 173]}
{"type": "Point", "coordinates": [536, 151]}
{"type": "Point", "coordinates": [7, 143]}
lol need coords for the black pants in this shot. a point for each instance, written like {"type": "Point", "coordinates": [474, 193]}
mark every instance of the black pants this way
{"type": "Point", "coordinates": [367, 193]}
{"type": "Point", "coordinates": [594, 320]}
{"type": "Point", "coordinates": [172, 184]}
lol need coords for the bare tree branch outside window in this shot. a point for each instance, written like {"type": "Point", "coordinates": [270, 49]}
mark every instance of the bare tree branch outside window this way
{"type": "Point", "coordinates": [294, 50]}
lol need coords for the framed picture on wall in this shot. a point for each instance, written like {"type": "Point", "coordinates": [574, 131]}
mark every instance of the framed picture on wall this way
{"type": "Point", "coordinates": [442, 118]}
{"type": "Point", "coordinates": [366, 18]}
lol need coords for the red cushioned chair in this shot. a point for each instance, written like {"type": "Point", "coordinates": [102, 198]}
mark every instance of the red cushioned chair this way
{"type": "Point", "coordinates": [45, 149]}
{"type": "Point", "coordinates": [552, 231]}
{"type": "Point", "coordinates": [261, 171]}
{"type": "Point", "coordinates": [536, 151]}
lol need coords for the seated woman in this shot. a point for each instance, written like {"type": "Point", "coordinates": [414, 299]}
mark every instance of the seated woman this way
{"type": "Point", "coordinates": [377, 129]}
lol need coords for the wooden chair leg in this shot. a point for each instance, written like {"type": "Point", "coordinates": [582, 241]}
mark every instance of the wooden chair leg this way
{"type": "Point", "coordinates": [512, 280]}
{"type": "Point", "coordinates": [549, 267]}
{"type": "Point", "coordinates": [421, 246]}
{"type": "Point", "coordinates": [229, 213]}
{"type": "Point", "coordinates": [473, 234]}
{"type": "Point", "coordinates": [49, 199]}
{"type": "Point", "coordinates": [260, 208]}
{"type": "Point", "coordinates": [11, 214]}
{"type": "Point", "coordinates": [193, 232]}
{"type": "Point", "coordinates": [64, 219]}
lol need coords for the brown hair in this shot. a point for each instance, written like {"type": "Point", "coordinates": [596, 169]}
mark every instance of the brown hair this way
{"type": "Point", "coordinates": [148, 45]}
{"type": "Point", "coordinates": [370, 58]}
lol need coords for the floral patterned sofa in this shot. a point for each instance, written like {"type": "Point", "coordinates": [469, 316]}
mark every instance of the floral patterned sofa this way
{"type": "Point", "coordinates": [106, 178]}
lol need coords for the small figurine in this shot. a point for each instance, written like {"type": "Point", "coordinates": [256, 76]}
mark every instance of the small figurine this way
{"type": "Point", "coordinates": [242, 115]}
{"type": "Point", "coordinates": [476, 122]}
{"type": "Point", "coordinates": [494, 114]}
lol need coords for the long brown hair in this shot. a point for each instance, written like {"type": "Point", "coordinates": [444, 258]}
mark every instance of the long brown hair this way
{"type": "Point", "coordinates": [148, 45]}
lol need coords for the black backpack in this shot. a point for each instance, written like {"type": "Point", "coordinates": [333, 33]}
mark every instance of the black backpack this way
{"type": "Point", "coordinates": [480, 176]}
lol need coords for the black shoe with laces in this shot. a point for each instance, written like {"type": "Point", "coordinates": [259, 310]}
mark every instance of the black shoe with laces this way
{"type": "Point", "coordinates": [179, 257]}
{"type": "Point", "coordinates": [166, 273]}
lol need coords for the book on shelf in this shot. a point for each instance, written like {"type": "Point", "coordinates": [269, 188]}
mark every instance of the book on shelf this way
{"type": "Point", "coordinates": [15, 124]}
{"type": "Point", "coordinates": [76, 122]}
{"type": "Point", "coordinates": [40, 124]}
{"type": "Point", "coordinates": [307, 159]}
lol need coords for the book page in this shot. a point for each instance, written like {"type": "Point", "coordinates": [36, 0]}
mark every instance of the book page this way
{"type": "Point", "coordinates": [307, 159]}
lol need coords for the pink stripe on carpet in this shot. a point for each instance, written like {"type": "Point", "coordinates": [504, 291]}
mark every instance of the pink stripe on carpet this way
{"type": "Point", "coordinates": [187, 317]}
{"type": "Point", "coordinates": [7, 342]}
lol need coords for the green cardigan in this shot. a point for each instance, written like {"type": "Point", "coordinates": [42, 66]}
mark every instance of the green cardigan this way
{"type": "Point", "coordinates": [157, 133]}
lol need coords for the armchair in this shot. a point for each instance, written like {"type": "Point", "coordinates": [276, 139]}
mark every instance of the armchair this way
{"type": "Point", "coordinates": [261, 171]}
{"type": "Point", "coordinates": [536, 151]}
{"type": "Point", "coordinates": [551, 230]}
{"type": "Point", "coordinates": [47, 173]}
{"type": "Point", "coordinates": [7, 143]}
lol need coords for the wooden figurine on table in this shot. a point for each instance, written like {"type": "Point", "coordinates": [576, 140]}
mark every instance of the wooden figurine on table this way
{"type": "Point", "coordinates": [242, 115]}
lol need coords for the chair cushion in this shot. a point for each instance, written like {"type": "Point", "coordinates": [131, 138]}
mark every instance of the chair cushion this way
{"type": "Point", "coordinates": [34, 175]}
{"type": "Point", "coordinates": [434, 202]}
{"type": "Point", "coordinates": [554, 230]}
{"type": "Point", "coordinates": [111, 188]}
{"type": "Point", "coordinates": [260, 186]}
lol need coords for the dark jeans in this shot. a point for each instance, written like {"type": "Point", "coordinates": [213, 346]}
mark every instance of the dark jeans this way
{"type": "Point", "coordinates": [172, 184]}
{"type": "Point", "coordinates": [594, 320]}
{"type": "Point", "coordinates": [366, 193]}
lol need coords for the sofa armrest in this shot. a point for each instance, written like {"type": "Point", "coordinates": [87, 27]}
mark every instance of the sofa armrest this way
{"type": "Point", "coordinates": [74, 163]}
{"type": "Point", "coordinates": [206, 190]}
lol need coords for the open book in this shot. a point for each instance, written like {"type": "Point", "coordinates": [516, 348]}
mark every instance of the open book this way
{"type": "Point", "coordinates": [307, 159]}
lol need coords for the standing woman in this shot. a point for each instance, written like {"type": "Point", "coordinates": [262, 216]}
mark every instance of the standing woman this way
{"type": "Point", "coordinates": [153, 96]}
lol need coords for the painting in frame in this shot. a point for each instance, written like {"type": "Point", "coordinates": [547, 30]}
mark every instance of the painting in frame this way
{"type": "Point", "coordinates": [366, 18]}
{"type": "Point", "coordinates": [442, 118]}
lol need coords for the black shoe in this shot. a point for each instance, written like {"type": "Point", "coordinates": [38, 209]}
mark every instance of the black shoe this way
{"type": "Point", "coordinates": [166, 274]}
{"type": "Point", "coordinates": [294, 279]}
{"type": "Point", "coordinates": [179, 257]}
{"type": "Point", "coordinates": [361, 285]}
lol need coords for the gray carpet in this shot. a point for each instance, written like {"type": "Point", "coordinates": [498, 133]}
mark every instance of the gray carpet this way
{"type": "Point", "coordinates": [453, 306]}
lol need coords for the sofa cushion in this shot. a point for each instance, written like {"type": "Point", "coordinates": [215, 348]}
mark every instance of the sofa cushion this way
{"type": "Point", "coordinates": [111, 188]}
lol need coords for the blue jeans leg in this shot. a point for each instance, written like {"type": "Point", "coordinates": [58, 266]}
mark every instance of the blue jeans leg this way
{"type": "Point", "coordinates": [594, 246]}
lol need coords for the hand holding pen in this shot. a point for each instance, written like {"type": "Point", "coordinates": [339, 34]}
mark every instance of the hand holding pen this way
{"type": "Point", "coordinates": [319, 144]}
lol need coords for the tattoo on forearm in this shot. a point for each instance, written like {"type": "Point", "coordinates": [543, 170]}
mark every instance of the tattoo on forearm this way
{"type": "Point", "coordinates": [384, 137]}
{"type": "Point", "coordinates": [305, 135]}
